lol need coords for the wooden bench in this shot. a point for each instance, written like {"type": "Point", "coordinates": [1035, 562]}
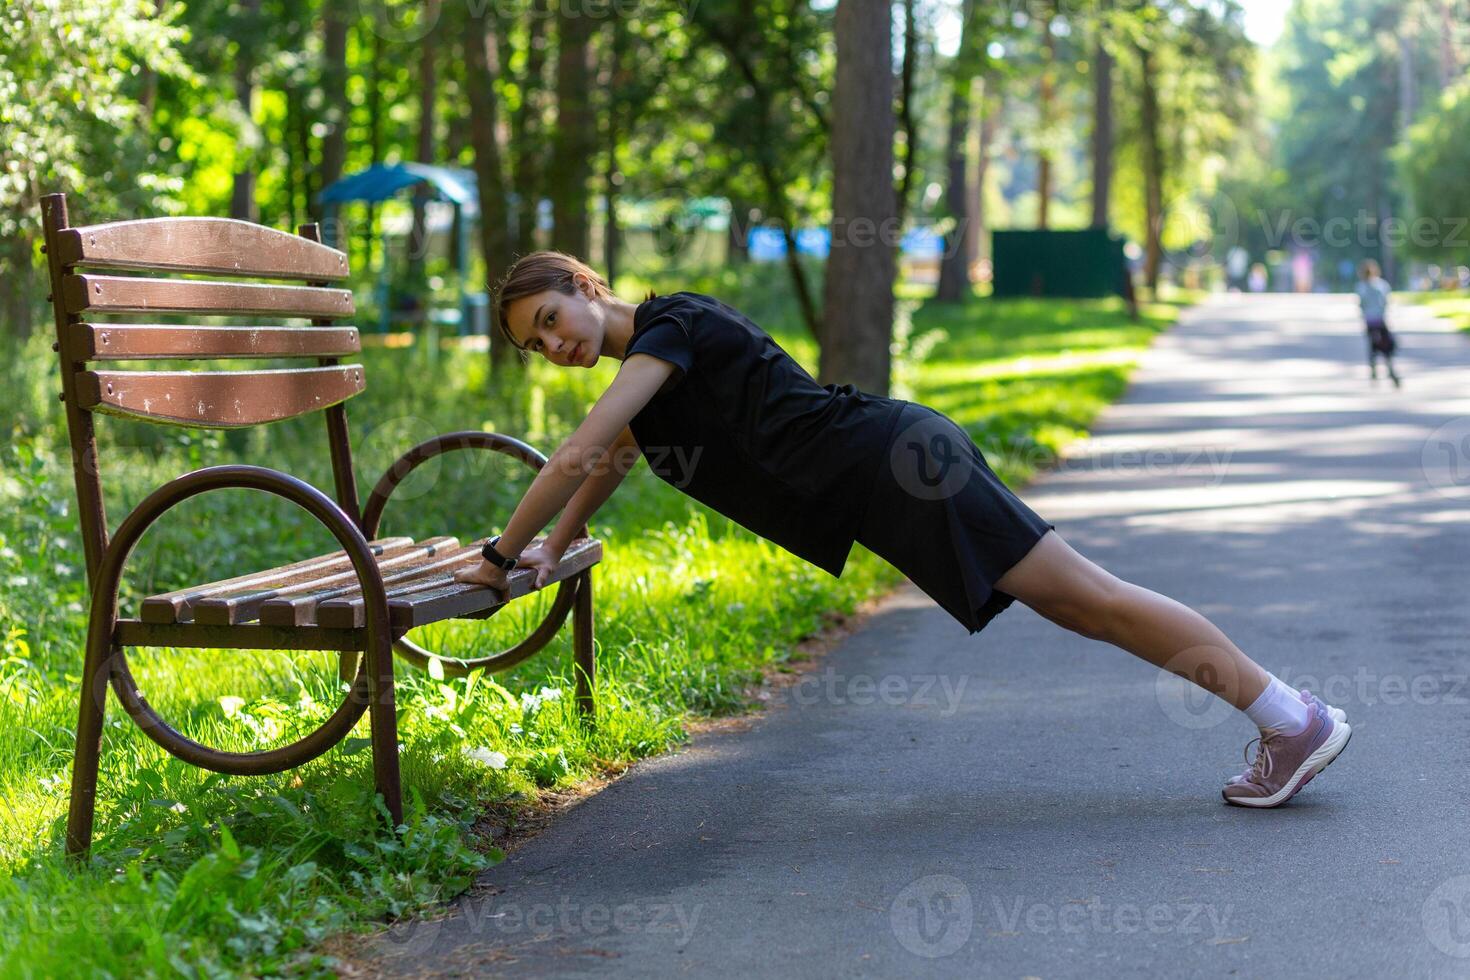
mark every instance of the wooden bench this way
{"type": "Point", "coordinates": [360, 600]}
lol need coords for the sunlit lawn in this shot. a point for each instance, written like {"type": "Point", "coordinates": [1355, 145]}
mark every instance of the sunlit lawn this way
{"type": "Point", "coordinates": [1452, 305]}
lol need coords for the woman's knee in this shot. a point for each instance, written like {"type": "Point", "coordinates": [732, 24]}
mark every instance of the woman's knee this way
{"type": "Point", "coordinates": [1068, 589]}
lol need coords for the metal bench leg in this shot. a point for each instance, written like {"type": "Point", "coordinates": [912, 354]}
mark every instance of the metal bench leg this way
{"type": "Point", "coordinates": [585, 667]}
{"type": "Point", "coordinates": [383, 717]}
{"type": "Point", "coordinates": [88, 754]}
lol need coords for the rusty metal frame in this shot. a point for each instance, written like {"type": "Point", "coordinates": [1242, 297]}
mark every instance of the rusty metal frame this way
{"type": "Point", "coordinates": [372, 688]}
{"type": "Point", "coordinates": [569, 592]}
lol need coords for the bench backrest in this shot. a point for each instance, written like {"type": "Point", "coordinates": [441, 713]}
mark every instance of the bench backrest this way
{"type": "Point", "coordinates": [98, 317]}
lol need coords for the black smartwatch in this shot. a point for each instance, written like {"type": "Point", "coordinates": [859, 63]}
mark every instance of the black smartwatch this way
{"type": "Point", "coordinates": [494, 557]}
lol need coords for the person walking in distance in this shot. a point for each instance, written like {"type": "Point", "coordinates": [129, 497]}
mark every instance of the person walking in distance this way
{"type": "Point", "coordinates": [1373, 293]}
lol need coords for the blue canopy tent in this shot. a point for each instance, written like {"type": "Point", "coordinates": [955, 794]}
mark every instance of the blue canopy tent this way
{"type": "Point", "coordinates": [380, 182]}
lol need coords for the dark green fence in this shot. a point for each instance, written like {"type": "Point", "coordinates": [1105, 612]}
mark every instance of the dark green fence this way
{"type": "Point", "coordinates": [1087, 263]}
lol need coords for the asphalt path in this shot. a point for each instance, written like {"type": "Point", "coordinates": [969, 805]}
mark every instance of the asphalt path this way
{"type": "Point", "coordinates": [1029, 803]}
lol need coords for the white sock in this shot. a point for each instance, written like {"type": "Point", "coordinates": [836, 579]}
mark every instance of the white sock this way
{"type": "Point", "coordinates": [1280, 706]}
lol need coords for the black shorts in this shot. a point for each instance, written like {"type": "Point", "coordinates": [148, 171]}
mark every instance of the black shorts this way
{"type": "Point", "coordinates": [939, 514]}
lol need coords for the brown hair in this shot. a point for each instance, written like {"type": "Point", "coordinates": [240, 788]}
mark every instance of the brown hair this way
{"type": "Point", "coordinates": [538, 272]}
{"type": "Point", "coordinates": [1368, 270]}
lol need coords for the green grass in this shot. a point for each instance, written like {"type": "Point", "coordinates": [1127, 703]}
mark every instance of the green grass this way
{"type": "Point", "coordinates": [205, 875]}
{"type": "Point", "coordinates": [1452, 305]}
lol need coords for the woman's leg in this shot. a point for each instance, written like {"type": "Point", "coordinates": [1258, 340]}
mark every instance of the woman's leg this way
{"type": "Point", "coordinates": [1078, 595]}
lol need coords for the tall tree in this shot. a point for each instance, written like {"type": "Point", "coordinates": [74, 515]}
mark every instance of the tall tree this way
{"type": "Point", "coordinates": [954, 266]}
{"type": "Point", "coordinates": [575, 139]}
{"type": "Point", "coordinates": [335, 108]}
{"type": "Point", "coordinates": [858, 298]}
{"type": "Point", "coordinates": [481, 62]}
{"type": "Point", "coordinates": [526, 131]}
{"type": "Point", "coordinates": [1102, 128]}
{"type": "Point", "coordinates": [242, 196]}
{"type": "Point", "coordinates": [906, 97]}
{"type": "Point", "coordinates": [428, 86]}
{"type": "Point", "coordinates": [1153, 164]}
{"type": "Point", "coordinates": [771, 120]}
{"type": "Point", "coordinates": [1047, 105]}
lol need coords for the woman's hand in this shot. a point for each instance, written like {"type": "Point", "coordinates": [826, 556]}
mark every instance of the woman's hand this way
{"type": "Point", "coordinates": [543, 558]}
{"type": "Point", "coordinates": [484, 573]}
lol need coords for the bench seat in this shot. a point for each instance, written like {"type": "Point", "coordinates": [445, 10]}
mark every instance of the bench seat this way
{"type": "Point", "coordinates": [324, 591]}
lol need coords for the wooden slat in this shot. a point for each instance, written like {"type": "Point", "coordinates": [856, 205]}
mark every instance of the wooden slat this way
{"type": "Point", "coordinates": [174, 607]}
{"type": "Point", "coordinates": [218, 399]}
{"type": "Point", "coordinates": [302, 608]}
{"type": "Point", "coordinates": [132, 294]}
{"type": "Point", "coordinates": [244, 605]}
{"type": "Point", "coordinates": [222, 246]}
{"type": "Point", "coordinates": [439, 597]}
{"type": "Point", "coordinates": [135, 633]}
{"type": "Point", "coordinates": [140, 341]}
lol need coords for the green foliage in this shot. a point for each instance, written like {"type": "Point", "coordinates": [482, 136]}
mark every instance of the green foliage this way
{"type": "Point", "coordinates": [1434, 160]}
{"type": "Point", "coordinates": [70, 79]}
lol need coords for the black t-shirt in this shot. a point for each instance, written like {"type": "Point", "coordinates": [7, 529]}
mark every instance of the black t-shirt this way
{"type": "Point", "coordinates": [743, 428]}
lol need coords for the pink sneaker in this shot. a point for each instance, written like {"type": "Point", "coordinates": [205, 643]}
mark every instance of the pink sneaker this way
{"type": "Point", "coordinates": [1338, 715]}
{"type": "Point", "coordinates": [1285, 763]}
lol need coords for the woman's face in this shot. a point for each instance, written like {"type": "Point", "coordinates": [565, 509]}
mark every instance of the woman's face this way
{"type": "Point", "coordinates": [566, 330]}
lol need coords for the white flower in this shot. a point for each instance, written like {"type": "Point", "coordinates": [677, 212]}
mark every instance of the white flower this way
{"type": "Point", "coordinates": [495, 760]}
{"type": "Point", "coordinates": [515, 729]}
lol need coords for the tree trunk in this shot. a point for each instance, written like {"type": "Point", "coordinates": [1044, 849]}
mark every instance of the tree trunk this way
{"type": "Point", "coordinates": [17, 303]}
{"type": "Point", "coordinates": [525, 128]}
{"type": "Point", "coordinates": [737, 246]}
{"type": "Point", "coordinates": [481, 64]}
{"type": "Point", "coordinates": [1153, 171]}
{"type": "Point", "coordinates": [616, 79]}
{"type": "Point", "coordinates": [990, 111]}
{"type": "Point", "coordinates": [418, 239]}
{"type": "Point", "coordinates": [575, 139]}
{"type": "Point", "coordinates": [242, 195]}
{"type": "Point", "coordinates": [334, 100]}
{"type": "Point", "coordinates": [1102, 133]}
{"type": "Point", "coordinates": [293, 166]}
{"type": "Point", "coordinates": [858, 302]}
{"type": "Point", "coordinates": [1048, 97]}
{"type": "Point", "coordinates": [954, 269]}
{"type": "Point", "coordinates": [148, 82]}
{"type": "Point", "coordinates": [906, 108]}
{"type": "Point", "coordinates": [375, 139]}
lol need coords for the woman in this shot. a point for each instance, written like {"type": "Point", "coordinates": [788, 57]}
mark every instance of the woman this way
{"type": "Point", "coordinates": [1373, 292]}
{"type": "Point", "coordinates": [724, 414]}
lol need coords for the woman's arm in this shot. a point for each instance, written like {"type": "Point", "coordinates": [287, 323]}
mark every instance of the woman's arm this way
{"type": "Point", "coordinates": [594, 493]}
{"type": "Point", "coordinates": [637, 380]}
